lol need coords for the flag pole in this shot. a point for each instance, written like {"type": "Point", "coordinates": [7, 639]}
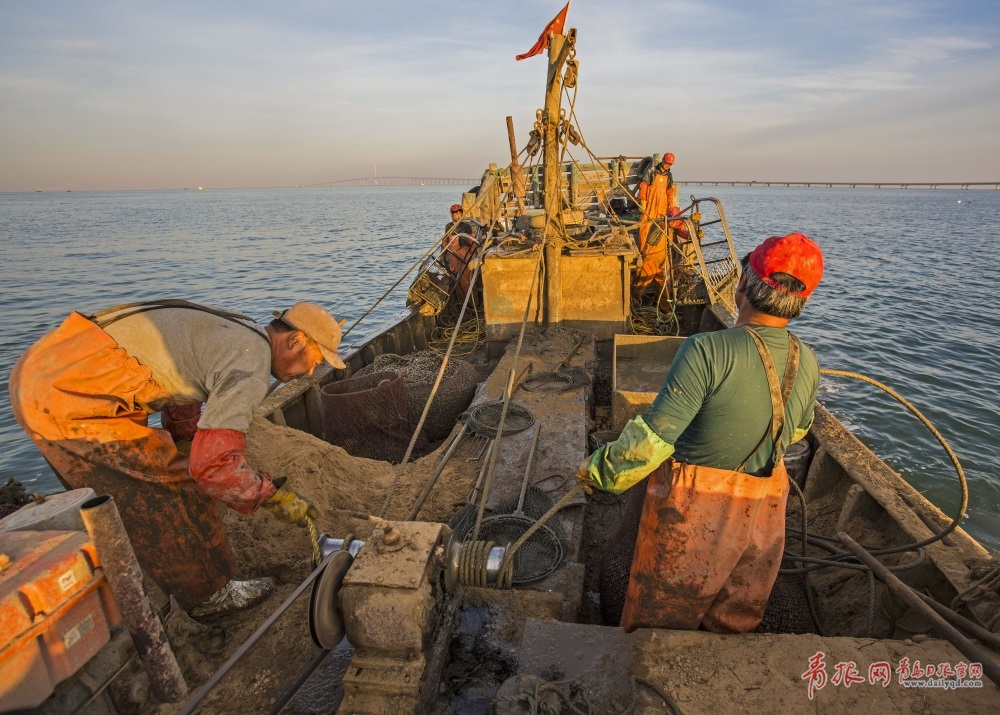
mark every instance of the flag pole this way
{"type": "Point", "coordinates": [559, 47]}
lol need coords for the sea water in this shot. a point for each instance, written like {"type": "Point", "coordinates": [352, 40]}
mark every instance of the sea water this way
{"type": "Point", "coordinates": [909, 296]}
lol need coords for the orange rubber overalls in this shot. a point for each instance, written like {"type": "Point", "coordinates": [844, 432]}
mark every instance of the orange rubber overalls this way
{"type": "Point", "coordinates": [84, 402]}
{"type": "Point", "coordinates": [710, 540]}
{"type": "Point", "coordinates": [459, 249]}
{"type": "Point", "coordinates": [660, 195]}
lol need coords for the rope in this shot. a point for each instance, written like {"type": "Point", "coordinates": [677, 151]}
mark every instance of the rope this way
{"type": "Point", "coordinates": [846, 560]}
{"type": "Point", "coordinates": [944, 443]}
{"type": "Point", "coordinates": [469, 332]}
{"type": "Point", "coordinates": [314, 537]}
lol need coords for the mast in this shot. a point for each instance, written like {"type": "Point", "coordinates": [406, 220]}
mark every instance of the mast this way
{"type": "Point", "coordinates": [559, 47]}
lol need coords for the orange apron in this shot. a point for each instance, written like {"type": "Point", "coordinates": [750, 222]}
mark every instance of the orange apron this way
{"type": "Point", "coordinates": [710, 540]}
{"type": "Point", "coordinates": [459, 249]}
{"type": "Point", "coordinates": [84, 402]}
{"type": "Point", "coordinates": [659, 197]}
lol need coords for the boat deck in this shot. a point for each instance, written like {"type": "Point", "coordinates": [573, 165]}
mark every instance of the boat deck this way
{"type": "Point", "coordinates": [754, 672]}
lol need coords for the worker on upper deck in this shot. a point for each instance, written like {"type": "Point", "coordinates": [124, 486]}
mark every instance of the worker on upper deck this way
{"type": "Point", "coordinates": [712, 530]}
{"type": "Point", "coordinates": [657, 196]}
{"type": "Point", "coordinates": [84, 391]}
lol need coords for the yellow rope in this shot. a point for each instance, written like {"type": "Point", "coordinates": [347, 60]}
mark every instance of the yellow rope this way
{"type": "Point", "coordinates": [470, 335]}
{"type": "Point", "coordinates": [314, 536]}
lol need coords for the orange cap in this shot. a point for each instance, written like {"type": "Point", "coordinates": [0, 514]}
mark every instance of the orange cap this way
{"type": "Point", "coordinates": [319, 326]}
{"type": "Point", "coordinates": [668, 158]}
{"type": "Point", "coordinates": [795, 254]}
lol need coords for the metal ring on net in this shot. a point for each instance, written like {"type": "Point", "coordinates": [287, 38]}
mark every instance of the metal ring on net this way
{"type": "Point", "coordinates": [537, 557]}
{"type": "Point", "coordinates": [484, 418]}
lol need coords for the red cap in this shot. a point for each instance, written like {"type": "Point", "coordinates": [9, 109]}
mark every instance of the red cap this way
{"type": "Point", "coordinates": [673, 211]}
{"type": "Point", "coordinates": [795, 254]}
{"type": "Point", "coordinates": [456, 207]}
{"type": "Point", "coordinates": [669, 158]}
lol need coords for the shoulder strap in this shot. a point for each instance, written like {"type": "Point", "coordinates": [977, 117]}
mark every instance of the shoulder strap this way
{"type": "Point", "coordinates": [779, 392]}
{"type": "Point", "coordinates": [107, 316]}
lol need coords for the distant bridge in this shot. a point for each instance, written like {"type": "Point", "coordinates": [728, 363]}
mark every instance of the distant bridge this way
{"type": "Point", "coordinates": [398, 181]}
{"type": "Point", "coordinates": [856, 184]}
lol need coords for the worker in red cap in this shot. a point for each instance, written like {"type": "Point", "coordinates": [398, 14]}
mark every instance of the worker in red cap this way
{"type": "Point", "coordinates": [657, 195]}
{"type": "Point", "coordinates": [460, 243]}
{"type": "Point", "coordinates": [83, 394]}
{"type": "Point", "coordinates": [712, 530]}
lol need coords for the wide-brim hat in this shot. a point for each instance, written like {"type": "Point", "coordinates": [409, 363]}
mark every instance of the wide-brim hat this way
{"type": "Point", "coordinates": [319, 326]}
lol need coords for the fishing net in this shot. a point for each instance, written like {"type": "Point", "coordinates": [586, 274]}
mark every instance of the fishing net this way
{"type": "Point", "coordinates": [616, 559]}
{"type": "Point", "coordinates": [787, 608]}
{"type": "Point", "coordinates": [367, 415]}
{"type": "Point", "coordinates": [536, 503]}
{"type": "Point", "coordinates": [484, 418]}
{"type": "Point", "coordinates": [419, 371]}
{"type": "Point", "coordinates": [537, 557]}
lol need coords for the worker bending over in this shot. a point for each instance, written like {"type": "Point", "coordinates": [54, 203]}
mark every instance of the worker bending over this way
{"type": "Point", "coordinates": [83, 394]}
{"type": "Point", "coordinates": [657, 196]}
{"type": "Point", "coordinates": [712, 530]}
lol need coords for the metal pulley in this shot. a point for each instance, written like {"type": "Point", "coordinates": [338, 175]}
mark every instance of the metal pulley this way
{"type": "Point", "coordinates": [572, 70]}
{"type": "Point", "coordinates": [326, 622]}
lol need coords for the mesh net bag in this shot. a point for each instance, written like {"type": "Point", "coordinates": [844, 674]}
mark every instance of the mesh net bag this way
{"type": "Point", "coordinates": [367, 415]}
{"type": "Point", "coordinates": [616, 560]}
{"type": "Point", "coordinates": [787, 609]}
{"type": "Point", "coordinates": [419, 371]}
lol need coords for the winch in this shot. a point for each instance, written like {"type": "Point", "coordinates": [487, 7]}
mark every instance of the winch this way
{"type": "Point", "coordinates": [388, 596]}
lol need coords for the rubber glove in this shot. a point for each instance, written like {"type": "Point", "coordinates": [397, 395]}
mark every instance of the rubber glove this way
{"type": "Point", "coordinates": [289, 507]}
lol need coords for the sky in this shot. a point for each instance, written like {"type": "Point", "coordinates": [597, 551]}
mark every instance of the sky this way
{"type": "Point", "coordinates": [111, 94]}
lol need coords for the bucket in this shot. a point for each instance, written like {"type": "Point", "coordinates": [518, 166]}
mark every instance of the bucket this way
{"type": "Point", "coordinates": [796, 461]}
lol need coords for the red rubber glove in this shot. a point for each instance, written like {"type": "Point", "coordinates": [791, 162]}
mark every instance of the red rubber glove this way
{"type": "Point", "coordinates": [219, 465]}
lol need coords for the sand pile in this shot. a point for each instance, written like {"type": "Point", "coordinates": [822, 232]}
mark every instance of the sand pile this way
{"type": "Point", "coordinates": [338, 484]}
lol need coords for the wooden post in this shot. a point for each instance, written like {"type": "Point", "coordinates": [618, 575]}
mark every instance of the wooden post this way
{"type": "Point", "coordinates": [559, 49]}
{"type": "Point", "coordinates": [516, 172]}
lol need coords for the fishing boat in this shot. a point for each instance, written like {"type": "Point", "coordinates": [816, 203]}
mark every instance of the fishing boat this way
{"type": "Point", "coordinates": [413, 606]}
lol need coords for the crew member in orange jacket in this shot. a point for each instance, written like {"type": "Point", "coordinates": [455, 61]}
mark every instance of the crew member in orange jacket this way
{"type": "Point", "coordinates": [657, 195]}
{"type": "Point", "coordinates": [84, 391]}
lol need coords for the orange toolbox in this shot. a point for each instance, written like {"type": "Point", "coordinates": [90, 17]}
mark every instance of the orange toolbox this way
{"type": "Point", "coordinates": [56, 612]}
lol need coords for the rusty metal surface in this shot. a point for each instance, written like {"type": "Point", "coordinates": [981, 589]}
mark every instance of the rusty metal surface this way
{"type": "Point", "coordinates": [639, 366]}
{"type": "Point", "coordinates": [593, 296]}
{"type": "Point", "coordinates": [53, 613]}
{"type": "Point", "coordinates": [405, 568]}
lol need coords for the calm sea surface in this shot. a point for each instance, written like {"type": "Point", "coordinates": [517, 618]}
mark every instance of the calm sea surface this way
{"type": "Point", "coordinates": [909, 296]}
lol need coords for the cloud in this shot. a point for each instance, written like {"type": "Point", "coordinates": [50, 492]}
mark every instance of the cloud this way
{"type": "Point", "coordinates": [304, 92]}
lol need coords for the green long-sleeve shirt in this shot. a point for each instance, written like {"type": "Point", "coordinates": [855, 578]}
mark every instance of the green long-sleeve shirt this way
{"type": "Point", "coordinates": [712, 410]}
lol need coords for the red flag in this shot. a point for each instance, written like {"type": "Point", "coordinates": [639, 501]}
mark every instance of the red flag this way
{"type": "Point", "coordinates": [555, 27]}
